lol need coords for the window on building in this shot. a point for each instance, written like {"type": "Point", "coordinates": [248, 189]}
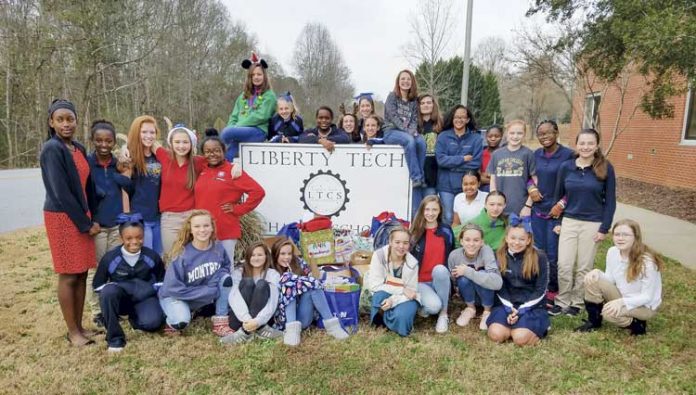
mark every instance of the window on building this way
{"type": "Point", "coordinates": [591, 118]}
{"type": "Point", "coordinates": [690, 122]}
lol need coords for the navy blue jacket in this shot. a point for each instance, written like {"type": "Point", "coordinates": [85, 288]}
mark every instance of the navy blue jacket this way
{"type": "Point", "coordinates": [449, 152]}
{"type": "Point", "coordinates": [139, 281]}
{"type": "Point", "coordinates": [524, 294]}
{"type": "Point", "coordinates": [145, 190]}
{"type": "Point", "coordinates": [444, 231]}
{"type": "Point", "coordinates": [547, 174]}
{"type": "Point", "coordinates": [290, 128]}
{"type": "Point", "coordinates": [108, 183]}
{"type": "Point", "coordinates": [64, 193]}
{"type": "Point", "coordinates": [589, 199]}
{"type": "Point", "coordinates": [338, 136]}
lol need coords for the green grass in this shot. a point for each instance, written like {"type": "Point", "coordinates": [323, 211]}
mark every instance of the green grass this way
{"type": "Point", "coordinates": [36, 358]}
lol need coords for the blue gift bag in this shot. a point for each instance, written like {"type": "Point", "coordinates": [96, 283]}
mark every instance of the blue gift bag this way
{"type": "Point", "coordinates": [344, 306]}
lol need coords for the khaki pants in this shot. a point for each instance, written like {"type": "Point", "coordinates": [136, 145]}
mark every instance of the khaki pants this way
{"type": "Point", "coordinates": [576, 253]}
{"type": "Point", "coordinates": [602, 291]}
{"type": "Point", "coordinates": [106, 240]}
{"type": "Point", "coordinates": [170, 225]}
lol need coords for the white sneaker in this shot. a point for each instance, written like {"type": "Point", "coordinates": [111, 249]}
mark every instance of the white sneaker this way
{"type": "Point", "coordinates": [114, 349]}
{"type": "Point", "coordinates": [421, 312]}
{"type": "Point", "coordinates": [466, 316]}
{"type": "Point", "coordinates": [442, 324]}
{"type": "Point", "coordinates": [484, 317]}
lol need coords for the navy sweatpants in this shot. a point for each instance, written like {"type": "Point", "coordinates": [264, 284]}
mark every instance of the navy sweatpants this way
{"type": "Point", "coordinates": [145, 315]}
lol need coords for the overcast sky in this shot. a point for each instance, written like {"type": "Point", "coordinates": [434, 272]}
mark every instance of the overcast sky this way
{"type": "Point", "coordinates": [370, 33]}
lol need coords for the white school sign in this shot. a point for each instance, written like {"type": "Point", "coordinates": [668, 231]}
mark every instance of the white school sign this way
{"type": "Point", "coordinates": [351, 185]}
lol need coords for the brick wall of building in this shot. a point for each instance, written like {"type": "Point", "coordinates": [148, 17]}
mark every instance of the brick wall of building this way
{"type": "Point", "coordinates": [648, 150]}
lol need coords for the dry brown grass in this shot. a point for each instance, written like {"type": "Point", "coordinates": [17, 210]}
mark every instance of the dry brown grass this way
{"type": "Point", "coordinates": [36, 358]}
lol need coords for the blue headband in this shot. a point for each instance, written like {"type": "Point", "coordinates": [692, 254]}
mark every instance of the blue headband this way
{"type": "Point", "coordinates": [364, 95]}
{"type": "Point", "coordinates": [526, 222]}
{"type": "Point", "coordinates": [287, 97]}
{"type": "Point", "coordinates": [124, 218]}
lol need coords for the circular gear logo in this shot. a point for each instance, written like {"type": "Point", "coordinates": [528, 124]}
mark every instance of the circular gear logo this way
{"type": "Point", "coordinates": [324, 193]}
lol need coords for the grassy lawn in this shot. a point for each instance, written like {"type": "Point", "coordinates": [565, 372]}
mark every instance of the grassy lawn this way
{"type": "Point", "coordinates": [36, 358]}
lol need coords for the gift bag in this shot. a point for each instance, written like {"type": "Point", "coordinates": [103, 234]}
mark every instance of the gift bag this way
{"type": "Point", "coordinates": [361, 243]}
{"type": "Point", "coordinates": [318, 247]}
{"type": "Point", "coordinates": [344, 305]}
{"type": "Point", "coordinates": [344, 248]}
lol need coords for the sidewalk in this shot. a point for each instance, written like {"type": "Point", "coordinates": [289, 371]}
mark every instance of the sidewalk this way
{"type": "Point", "coordinates": [670, 236]}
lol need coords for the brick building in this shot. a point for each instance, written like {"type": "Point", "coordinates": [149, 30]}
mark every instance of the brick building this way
{"type": "Point", "coordinates": [657, 151]}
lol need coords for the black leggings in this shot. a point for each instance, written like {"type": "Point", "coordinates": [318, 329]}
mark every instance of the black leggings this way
{"type": "Point", "coordinates": [255, 295]}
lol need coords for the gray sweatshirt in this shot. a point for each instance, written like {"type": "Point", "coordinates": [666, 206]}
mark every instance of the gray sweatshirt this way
{"type": "Point", "coordinates": [483, 270]}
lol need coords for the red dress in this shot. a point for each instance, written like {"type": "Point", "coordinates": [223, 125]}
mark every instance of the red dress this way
{"type": "Point", "coordinates": [72, 252]}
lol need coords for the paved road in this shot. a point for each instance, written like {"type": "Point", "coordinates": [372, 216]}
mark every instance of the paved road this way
{"type": "Point", "coordinates": [21, 199]}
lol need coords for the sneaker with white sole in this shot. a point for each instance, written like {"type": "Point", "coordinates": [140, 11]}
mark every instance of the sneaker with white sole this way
{"type": "Point", "coordinates": [484, 317]}
{"type": "Point", "coordinates": [442, 324]}
{"type": "Point", "coordinates": [268, 332]}
{"type": "Point", "coordinates": [237, 337]}
{"type": "Point", "coordinates": [466, 316]}
{"type": "Point", "coordinates": [421, 312]}
{"type": "Point", "coordinates": [114, 349]}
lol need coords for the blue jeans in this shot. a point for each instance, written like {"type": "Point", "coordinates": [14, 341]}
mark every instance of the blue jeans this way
{"type": "Point", "coordinates": [153, 236]}
{"type": "Point", "coordinates": [178, 312]}
{"type": "Point", "coordinates": [302, 308]}
{"type": "Point", "coordinates": [398, 319]}
{"type": "Point", "coordinates": [546, 239]}
{"type": "Point", "coordinates": [429, 191]}
{"type": "Point", "coordinates": [435, 294]}
{"type": "Point", "coordinates": [233, 135]}
{"type": "Point", "coordinates": [414, 149]}
{"type": "Point", "coordinates": [447, 200]}
{"type": "Point", "coordinates": [469, 289]}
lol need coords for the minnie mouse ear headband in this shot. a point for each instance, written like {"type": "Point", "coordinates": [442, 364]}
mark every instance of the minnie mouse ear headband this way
{"type": "Point", "coordinates": [254, 60]}
{"type": "Point", "coordinates": [365, 95]}
{"type": "Point", "coordinates": [179, 127]}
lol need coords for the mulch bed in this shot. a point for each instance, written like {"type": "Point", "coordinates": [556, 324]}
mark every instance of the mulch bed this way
{"type": "Point", "coordinates": [675, 202]}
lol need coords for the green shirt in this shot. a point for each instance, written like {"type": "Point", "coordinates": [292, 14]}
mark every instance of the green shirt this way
{"type": "Point", "coordinates": [258, 115]}
{"type": "Point", "coordinates": [492, 235]}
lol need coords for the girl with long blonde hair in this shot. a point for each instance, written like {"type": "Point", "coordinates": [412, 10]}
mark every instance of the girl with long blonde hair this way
{"type": "Point", "coordinates": [198, 276]}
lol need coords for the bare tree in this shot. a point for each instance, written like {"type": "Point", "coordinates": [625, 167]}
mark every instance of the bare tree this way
{"type": "Point", "coordinates": [322, 73]}
{"type": "Point", "coordinates": [431, 29]}
{"type": "Point", "coordinates": [491, 56]}
{"type": "Point", "coordinates": [555, 57]}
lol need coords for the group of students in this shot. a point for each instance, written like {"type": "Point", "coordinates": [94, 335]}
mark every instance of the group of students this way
{"type": "Point", "coordinates": [187, 210]}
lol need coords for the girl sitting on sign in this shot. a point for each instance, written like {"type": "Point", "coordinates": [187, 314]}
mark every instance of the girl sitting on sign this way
{"type": "Point", "coordinates": [326, 133]}
{"type": "Point", "coordinates": [252, 109]}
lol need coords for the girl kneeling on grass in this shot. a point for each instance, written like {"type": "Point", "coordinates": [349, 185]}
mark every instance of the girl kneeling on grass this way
{"type": "Point", "coordinates": [629, 292]}
{"type": "Point", "coordinates": [126, 281]}
{"type": "Point", "coordinates": [301, 295]}
{"type": "Point", "coordinates": [198, 276]}
{"type": "Point", "coordinates": [522, 315]}
{"type": "Point", "coordinates": [476, 272]}
{"type": "Point", "coordinates": [393, 280]}
{"type": "Point", "coordinates": [254, 297]}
